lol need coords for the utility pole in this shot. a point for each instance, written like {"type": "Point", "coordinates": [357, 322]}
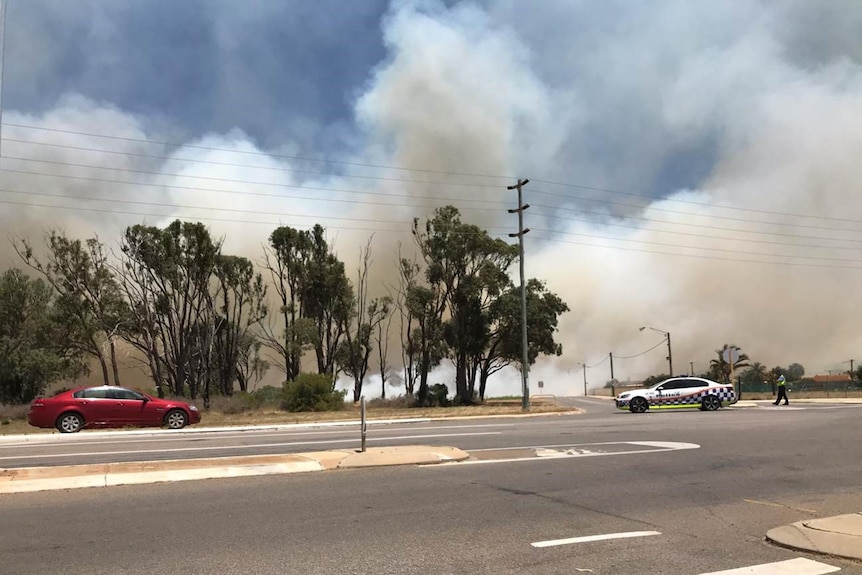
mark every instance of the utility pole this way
{"type": "Point", "coordinates": [669, 356]}
{"type": "Point", "coordinates": [525, 364]}
{"type": "Point", "coordinates": [611, 356]}
{"type": "Point", "coordinates": [691, 368]}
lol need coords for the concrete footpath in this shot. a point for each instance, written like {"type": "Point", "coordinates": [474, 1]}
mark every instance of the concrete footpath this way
{"type": "Point", "coordinates": [30, 479]}
{"type": "Point", "coordinates": [839, 536]}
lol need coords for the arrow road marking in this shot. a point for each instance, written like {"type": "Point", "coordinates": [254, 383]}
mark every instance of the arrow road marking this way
{"type": "Point", "coordinates": [545, 452]}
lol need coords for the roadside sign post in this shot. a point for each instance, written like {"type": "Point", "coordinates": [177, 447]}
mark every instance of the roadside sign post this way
{"type": "Point", "coordinates": [362, 417]}
{"type": "Point", "coordinates": [731, 356]}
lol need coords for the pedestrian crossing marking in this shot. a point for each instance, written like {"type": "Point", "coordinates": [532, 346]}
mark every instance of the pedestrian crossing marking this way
{"type": "Point", "coordinates": [799, 566]}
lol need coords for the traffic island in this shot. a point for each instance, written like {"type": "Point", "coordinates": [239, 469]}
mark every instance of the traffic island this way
{"type": "Point", "coordinates": [31, 479]}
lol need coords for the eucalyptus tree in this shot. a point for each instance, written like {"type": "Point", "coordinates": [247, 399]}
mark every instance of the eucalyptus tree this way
{"type": "Point", "coordinates": [168, 280]}
{"type": "Point", "coordinates": [33, 340]}
{"type": "Point", "coordinates": [504, 348]}
{"type": "Point", "coordinates": [89, 295]}
{"type": "Point", "coordinates": [240, 306]}
{"type": "Point", "coordinates": [467, 269]}
{"type": "Point", "coordinates": [314, 298]}
{"type": "Point", "coordinates": [363, 320]}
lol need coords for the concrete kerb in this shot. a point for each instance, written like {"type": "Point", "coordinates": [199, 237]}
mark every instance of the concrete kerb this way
{"type": "Point", "coordinates": [839, 536]}
{"type": "Point", "coordinates": [30, 479]}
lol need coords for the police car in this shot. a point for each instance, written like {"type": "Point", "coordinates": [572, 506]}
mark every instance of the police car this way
{"type": "Point", "coordinates": [678, 393]}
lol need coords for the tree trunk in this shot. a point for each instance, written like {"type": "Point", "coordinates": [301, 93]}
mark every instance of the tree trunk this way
{"type": "Point", "coordinates": [103, 364]}
{"type": "Point", "coordinates": [461, 386]}
{"type": "Point", "coordinates": [423, 380]}
{"type": "Point", "coordinates": [114, 365]}
{"type": "Point", "coordinates": [483, 379]}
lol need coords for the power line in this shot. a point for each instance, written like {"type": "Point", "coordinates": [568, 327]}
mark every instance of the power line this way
{"type": "Point", "coordinates": [394, 195]}
{"type": "Point", "coordinates": [271, 155]}
{"type": "Point", "coordinates": [233, 165]}
{"type": "Point", "coordinates": [712, 249]}
{"type": "Point", "coordinates": [238, 192]}
{"type": "Point", "coordinates": [402, 180]}
{"type": "Point", "coordinates": [689, 202]}
{"type": "Point", "coordinates": [406, 231]}
{"type": "Point", "coordinates": [662, 342]}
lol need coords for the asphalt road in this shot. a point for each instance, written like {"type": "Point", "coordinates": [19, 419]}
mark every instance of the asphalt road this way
{"type": "Point", "coordinates": [699, 510]}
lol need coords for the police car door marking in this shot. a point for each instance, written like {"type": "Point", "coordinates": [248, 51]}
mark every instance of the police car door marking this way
{"type": "Point", "coordinates": [591, 538]}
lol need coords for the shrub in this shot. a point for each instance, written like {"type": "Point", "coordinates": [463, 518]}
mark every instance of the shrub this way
{"type": "Point", "coordinates": [312, 392]}
{"type": "Point", "coordinates": [397, 402]}
{"type": "Point", "coordinates": [269, 395]}
{"type": "Point", "coordinates": [439, 395]}
{"type": "Point", "coordinates": [230, 405]}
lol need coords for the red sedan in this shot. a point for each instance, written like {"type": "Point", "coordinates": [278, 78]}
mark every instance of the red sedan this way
{"type": "Point", "coordinates": [109, 406]}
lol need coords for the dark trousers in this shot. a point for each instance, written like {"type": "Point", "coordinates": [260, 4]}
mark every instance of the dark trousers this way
{"type": "Point", "coordinates": [782, 394]}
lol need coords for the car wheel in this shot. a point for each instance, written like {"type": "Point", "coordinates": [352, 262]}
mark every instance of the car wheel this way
{"type": "Point", "coordinates": [70, 423]}
{"type": "Point", "coordinates": [710, 403]}
{"type": "Point", "coordinates": [176, 419]}
{"type": "Point", "coordinates": [638, 405]}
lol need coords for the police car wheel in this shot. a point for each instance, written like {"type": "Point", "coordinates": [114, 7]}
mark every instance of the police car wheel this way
{"type": "Point", "coordinates": [638, 405]}
{"type": "Point", "coordinates": [710, 403]}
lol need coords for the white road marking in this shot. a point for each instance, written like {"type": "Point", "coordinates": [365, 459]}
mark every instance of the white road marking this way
{"type": "Point", "coordinates": [545, 452]}
{"type": "Point", "coordinates": [239, 447]}
{"type": "Point", "coordinates": [799, 566]}
{"type": "Point", "coordinates": [591, 538]}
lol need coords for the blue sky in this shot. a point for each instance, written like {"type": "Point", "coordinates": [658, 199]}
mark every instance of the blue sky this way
{"type": "Point", "coordinates": [691, 145]}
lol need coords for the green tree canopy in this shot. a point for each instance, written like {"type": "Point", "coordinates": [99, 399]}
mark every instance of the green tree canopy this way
{"type": "Point", "coordinates": [33, 352]}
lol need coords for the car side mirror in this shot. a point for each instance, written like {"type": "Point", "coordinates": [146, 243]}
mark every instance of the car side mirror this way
{"type": "Point", "coordinates": [145, 399]}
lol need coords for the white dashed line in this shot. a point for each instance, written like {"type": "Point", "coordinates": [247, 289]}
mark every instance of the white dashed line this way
{"type": "Point", "coordinates": [591, 538]}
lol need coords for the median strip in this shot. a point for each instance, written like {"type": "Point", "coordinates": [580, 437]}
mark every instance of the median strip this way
{"type": "Point", "coordinates": [31, 479]}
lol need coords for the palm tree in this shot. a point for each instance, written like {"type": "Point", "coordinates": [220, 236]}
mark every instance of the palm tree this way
{"type": "Point", "coordinates": [755, 375]}
{"type": "Point", "coordinates": [720, 369]}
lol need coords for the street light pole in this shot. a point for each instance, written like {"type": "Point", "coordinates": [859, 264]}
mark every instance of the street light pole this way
{"type": "Point", "coordinates": [667, 337]}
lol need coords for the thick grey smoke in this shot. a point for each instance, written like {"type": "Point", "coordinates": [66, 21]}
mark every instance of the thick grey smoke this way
{"type": "Point", "coordinates": [729, 128]}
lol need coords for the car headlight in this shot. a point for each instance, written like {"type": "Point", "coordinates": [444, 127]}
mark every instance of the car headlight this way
{"type": "Point", "coordinates": [624, 396]}
{"type": "Point", "coordinates": [193, 408]}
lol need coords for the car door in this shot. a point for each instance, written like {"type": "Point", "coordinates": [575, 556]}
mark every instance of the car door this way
{"type": "Point", "coordinates": [95, 406]}
{"type": "Point", "coordinates": [128, 407]}
{"type": "Point", "coordinates": [688, 393]}
{"type": "Point", "coordinates": [667, 394]}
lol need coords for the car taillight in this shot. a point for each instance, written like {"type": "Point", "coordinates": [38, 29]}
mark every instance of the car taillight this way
{"type": "Point", "coordinates": [37, 403]}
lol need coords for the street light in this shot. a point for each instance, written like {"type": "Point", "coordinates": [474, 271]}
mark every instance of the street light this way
{"type": "Point", "coordinates": [667, 336]}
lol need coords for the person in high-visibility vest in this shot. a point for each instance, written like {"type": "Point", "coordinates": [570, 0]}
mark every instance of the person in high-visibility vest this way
{"type": "Point", "coordinates": [782, 391]}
